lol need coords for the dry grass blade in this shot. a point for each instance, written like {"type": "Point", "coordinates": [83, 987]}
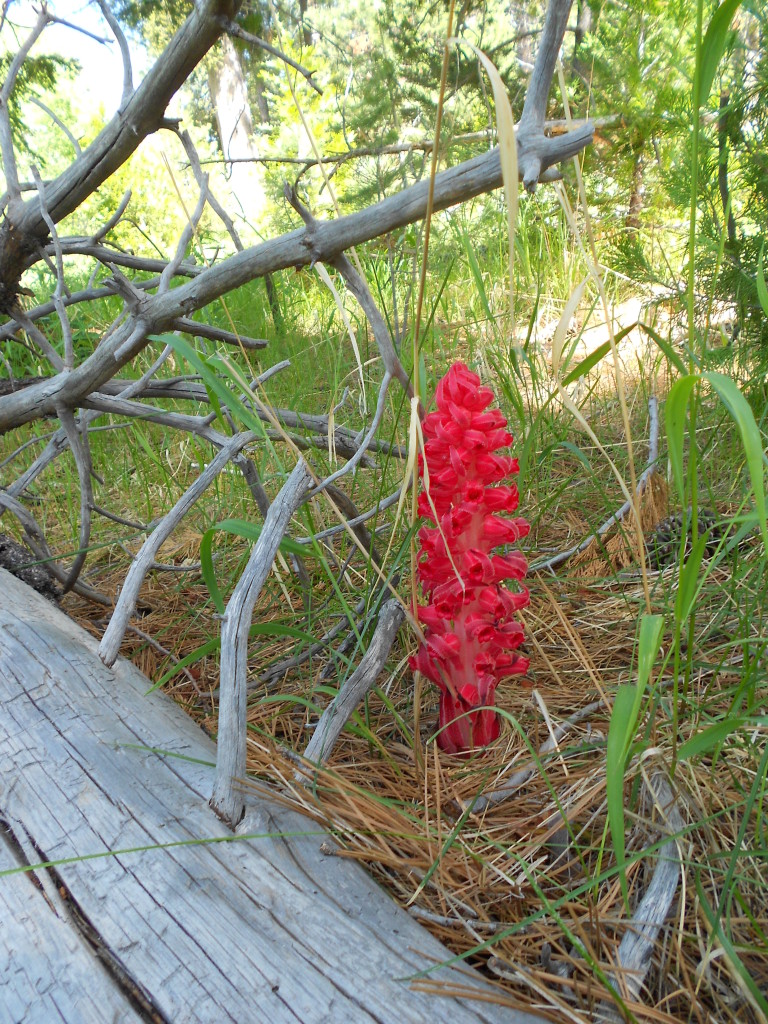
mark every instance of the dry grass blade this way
{"type": "Point", "coordinates": [505, 127]}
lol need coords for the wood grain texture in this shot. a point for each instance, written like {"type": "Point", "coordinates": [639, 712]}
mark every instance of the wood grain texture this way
{"type": "Point", "coordinates": [262, 928]}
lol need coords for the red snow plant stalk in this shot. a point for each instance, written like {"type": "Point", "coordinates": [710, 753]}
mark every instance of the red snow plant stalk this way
{"type": "Point", "coordinates": [471, 636]}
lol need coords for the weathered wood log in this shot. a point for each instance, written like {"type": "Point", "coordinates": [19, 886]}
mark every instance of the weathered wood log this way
{"type": "Point", "coordinates": [154, 910]}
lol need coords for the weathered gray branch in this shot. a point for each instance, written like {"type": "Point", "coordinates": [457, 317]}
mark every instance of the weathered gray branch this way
{"type": "Point", "coordinates": [109, 648]}
{"type": "Point", "coordinates": [618, 515]}
{"type": "Point", "coordinates": [125, 52]}
{"type": "Point", "coordinates": [233, 29]}
{"type": "Point", "coordinates": [298, 248]}
{"type": "Point", "coordinates": [531, 127]}
{"type": "Point", "coordinates": [639, 940]}
{"type": "Point", "coordinates": [24, 228]}
{"type": "Point", "coordinates": [359, 683]}
{"type": "Point", "coordinates": [227, 800]}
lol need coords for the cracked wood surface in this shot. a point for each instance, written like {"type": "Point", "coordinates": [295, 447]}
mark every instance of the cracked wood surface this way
{"type": "Point", "coordinates": [266, 928]}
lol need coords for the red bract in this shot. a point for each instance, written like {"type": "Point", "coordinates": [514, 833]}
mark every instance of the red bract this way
{"type": "Point", "coordinates": [471, 637]}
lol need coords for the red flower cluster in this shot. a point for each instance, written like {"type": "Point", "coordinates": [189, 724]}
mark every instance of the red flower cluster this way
{"type": "Point", "coordinates": [471, 637]}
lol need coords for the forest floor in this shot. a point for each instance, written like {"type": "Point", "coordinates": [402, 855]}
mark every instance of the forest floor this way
{"type": "Point", "coordinates": [527, 885]}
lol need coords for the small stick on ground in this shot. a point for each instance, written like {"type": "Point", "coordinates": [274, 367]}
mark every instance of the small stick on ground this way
{"type": "Point", "coordinates": [642, 483]}
{"type": "Point", "coordinates": [636, 948]}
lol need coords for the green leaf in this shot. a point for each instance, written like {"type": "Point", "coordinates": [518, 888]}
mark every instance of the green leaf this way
{"type": "Point", "coordinates": [651, 627]}
{"type": "Point", "coordinates": [214, 380]}
{"type": "Point", "coordinates": [751, 440]}
{"type": "Point", "coordinates": [713, 47]}
{"type": "Point", "coordinates": [240, 528]}
{"type": "Point", "coordinates": [690, 579]}
{"type": "Point", "coordinates": [709, 738]}
{"type": "Point", "coordinates": [675, 416]}
{"type": "Point", "coordinates": [762, 291]}
{"type": "Point", "coordinates": [667, 349]}
{"type": "Point", "coordinates": [618, 731]}
{"type": "Point", "coordinates": [621, 732]}
{"type": "Point", "coordinates": [586, 364]}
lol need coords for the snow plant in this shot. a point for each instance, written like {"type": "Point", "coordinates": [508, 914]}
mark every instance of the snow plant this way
{"type": "Point", "coordinates": [470, 634]}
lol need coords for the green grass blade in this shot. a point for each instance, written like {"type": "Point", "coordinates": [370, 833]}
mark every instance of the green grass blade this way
{"type": "Point", "coordinates": [762, 291]}
{"type": "Point", "coordinates": [708, 738]}
{"type": "Point", "coordinates": [675, 415]}
{"type": "Point", "coordinates": [713, 47]}
{"type": "Point", "coordinates": [751, 440]}
{"type": "Point", "coordinates": [621, 732]}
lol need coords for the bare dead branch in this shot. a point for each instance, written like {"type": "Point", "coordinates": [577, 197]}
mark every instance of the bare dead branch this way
{"type": "Point", "coordinates": [6, 138]}
{"type": "Point", "coordinates": [233, 29]}
{"type": "Point", "coordinates": [35, 538]}
{"type": "Point", "coordinates": [531, 127]}
{"type": "Point", "coordinates": [59, 124]}
{"type": "Point", "coordinates": [298, 248]}
{"type": "Point", "coordinates": [199, 330]}
{"type": "Point", "coordinates": [381, 506]}
{"type": "Point", "coordinates": [126, 604]}
{"type": "Point", "coordinates": [187, 235]}
{"type": "Point", "coordinates": [360, 453]}
{"type": "Point", "coordinates": [82, 456]}
{"type": "Point", "coordinates": [230, 761]}
{"type": "Point", "coordinates": [618, 515]}
{"type": "Point", "coordinates": [216, 206]}
{"type": "Point", "coordinates": [113, 220]}
{"type": "Point", "coordinates": [125, 52]}
{"type": "Point", "coordinates": [24, 228]}
{"type": "Point", "coordinates": [335, 716]}
{"type": "Point", "coordinates": [66, 327]}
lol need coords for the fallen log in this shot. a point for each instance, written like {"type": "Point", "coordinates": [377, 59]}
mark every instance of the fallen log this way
{"type": "Point", "coordinates": [123, 896]}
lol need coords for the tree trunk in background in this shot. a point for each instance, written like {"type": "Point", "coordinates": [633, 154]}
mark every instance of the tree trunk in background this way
{"type": "Point", "coordinates": [722, 166]}
{"type": "Point", "coordinates": [234, 123]}
{"type": "Point", "coordinates": [632, 220]}
{"type": "Point", "coordinates": [306, 33]}
{"type": "Point", "coordinates": [583, 27]}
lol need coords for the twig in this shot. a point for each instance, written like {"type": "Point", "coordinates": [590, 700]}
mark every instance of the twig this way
{"type": "Point", "coordinates": [642, 483]}
{"type": "Point", "coordinates": [365, 444]}
{"type": "Point", "coordinates": [66, 326]}
{"type": "Point", "coordinates": [230, 759]}
{"type": "Point", "coordinates": [636, 947]}
{"type": "Point", "coordinates": [166, 654]}
{"type": "Point", "coordinates": [40, 341]}
{"type": "Point", "coordinates": [113, 221]}
{"type": "Point", "coordinates": [125, 52]}
{"type": "Point", "coordinates": [59, 123]}
{"type": "Point", "coordinates": [126, 603]}
{"type": "Point", "coordinates": [6, 137]}
{"type": "Point", "coordinates": [279, 669]}
{"type": "Point", "coordinates": [359, 288]}
{"type": "Point", "coordinates": [381, 506]}
{"type": "Point", "coordinates": [187, 234]}
{"type": "Point", "coordinates": [81, 453]}
{"type": "Point", "coordinates": [233, 29]}
{"type": "Point", "coordinates": [36, 541]}
{"type": "Point", "coordinates": [335, 716]}
{"type": "Point", "coordinates": [490, 927]}
{"type": "Point", "coordinates": [521, 776]}
{"type": "Point", "coordinates": [218, 209]}
{"type": "Point", "coordinates": [199, 330]}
